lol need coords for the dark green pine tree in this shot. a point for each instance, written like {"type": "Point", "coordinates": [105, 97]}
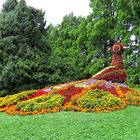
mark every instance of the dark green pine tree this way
{"type": "Point", "coordinates": [9, 5]}
{"type": "Point", "coordinates": [24, 48]}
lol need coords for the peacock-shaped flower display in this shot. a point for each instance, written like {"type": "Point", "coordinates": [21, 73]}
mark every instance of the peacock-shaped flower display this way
{"type": "Point", "coordinates": [115, 72]}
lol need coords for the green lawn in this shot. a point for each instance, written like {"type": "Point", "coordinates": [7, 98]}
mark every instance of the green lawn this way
{"type": "Point", "coordinates": [120, 125]}
{"type": "Point", "coordinates": [136, 87]}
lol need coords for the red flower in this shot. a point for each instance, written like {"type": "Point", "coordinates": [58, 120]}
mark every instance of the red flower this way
{"type": "Point", "coordinates": [36, 94]}
{"type": "Point", "coordinates": [68, 93]}
{"type": "Point", "coordinates": [112, 90]}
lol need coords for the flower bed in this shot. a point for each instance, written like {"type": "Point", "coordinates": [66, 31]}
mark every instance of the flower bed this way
{"type": "Point", "coordinates": [95, 101]}
{"type": "Point", "coordinates": [14, 99]}
{"type": "Point", "coordinates": [69, 92]}
{"type": "Point", "coordinates": [87, 95]}
{"type": "Point", "coordinates": [112, 73]}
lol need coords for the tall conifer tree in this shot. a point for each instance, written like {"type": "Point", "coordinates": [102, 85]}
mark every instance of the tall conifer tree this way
{"type": "Point", "coordinates": [23, 47]}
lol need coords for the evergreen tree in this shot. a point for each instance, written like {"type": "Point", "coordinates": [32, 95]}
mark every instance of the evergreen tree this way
{"type": "Point", "coordinates": [24, 50]}
{"type": "Point", "coordinates": [32, 56]}
{"type": "Point", "coordinates": [9, 5]}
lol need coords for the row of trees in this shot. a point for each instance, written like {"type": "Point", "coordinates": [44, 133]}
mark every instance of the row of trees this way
{"type": "Point", "coordinates": [33, 56]}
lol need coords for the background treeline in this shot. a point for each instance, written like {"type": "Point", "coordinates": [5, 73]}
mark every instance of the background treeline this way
{"type": "Point", "coordinates": [33, 55]}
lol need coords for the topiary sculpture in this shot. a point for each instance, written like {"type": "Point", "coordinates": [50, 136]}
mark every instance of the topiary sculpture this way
{"type": "Point", "coordinates": [115, 72]}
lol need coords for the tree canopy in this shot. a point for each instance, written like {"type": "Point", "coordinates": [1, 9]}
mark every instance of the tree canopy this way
{"type": "Point", "coordinates": [33, 55]}
{"type": "Point", "coordinates": [23, 47]}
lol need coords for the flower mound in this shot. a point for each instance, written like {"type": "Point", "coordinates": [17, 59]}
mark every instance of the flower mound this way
{"type": "Point", "coordinates": [112, 73]}
{"type": "Point", "coordinates": [89, 95]}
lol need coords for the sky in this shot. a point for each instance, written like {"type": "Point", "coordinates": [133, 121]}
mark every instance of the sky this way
{"type": "Point", "coordinates": [55, 10]}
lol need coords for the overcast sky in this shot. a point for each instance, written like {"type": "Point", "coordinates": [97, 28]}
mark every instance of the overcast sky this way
{"type": "Point", "coordinates": [56, 9]}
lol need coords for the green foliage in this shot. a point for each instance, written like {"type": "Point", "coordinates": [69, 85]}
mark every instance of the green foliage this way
{"type": "Point", "coordinates": [3, 93]}
{"type": "Point", "coordinates": [24, 49]}
{"type": "Point", "coordinates": [9, 5]}
{"type": "Point", "coordinates": [95, 66]}
{"type": "Point", "coordinates": [32, 56]}
{"type": "Point", "coordinates": [136, 87]}
{"type": "Point", "coordinates": [66, 59]}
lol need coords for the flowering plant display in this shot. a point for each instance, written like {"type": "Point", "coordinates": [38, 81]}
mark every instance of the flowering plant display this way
{"type": "Point", "coordinates": [111, 73]}
{"type": "Point", "coordinates": [103, 92]}
{"type": "Point", "coordinates": [115, 72]}
{"type": "Point", "coordinates": [89, 95]}
{"type": "Point", "coordinates": [44, 102]}
{"type": "Point", "coordinates": [14, 99]}
{"type": "Point", "coordinates": [36, 94]}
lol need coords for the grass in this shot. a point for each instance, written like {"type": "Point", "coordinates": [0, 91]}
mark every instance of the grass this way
{"type": "Point", "coordinates": [136, 87]}
{"type": "Point", "coordinates": [120, 125]}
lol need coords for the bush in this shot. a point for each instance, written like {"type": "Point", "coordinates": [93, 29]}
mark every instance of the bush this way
{"type": "Point", "coordinates": [3, 93]}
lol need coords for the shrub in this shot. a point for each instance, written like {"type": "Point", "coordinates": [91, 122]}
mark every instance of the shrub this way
{"type": "Point", "coordinates": [3, 93]}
